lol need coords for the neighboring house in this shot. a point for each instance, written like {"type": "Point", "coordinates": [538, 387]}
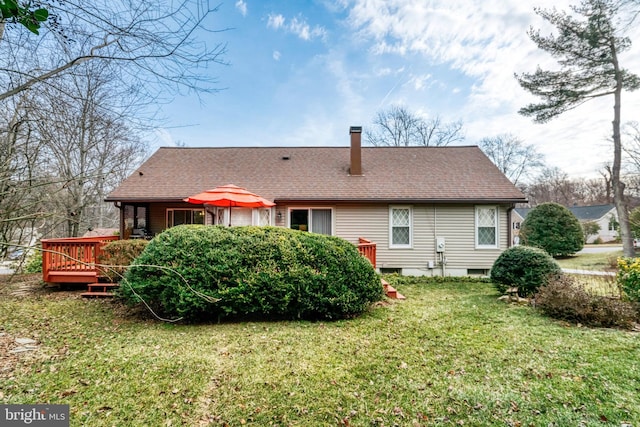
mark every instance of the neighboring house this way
{"type": "Point", "coordinates": [605, 216]}
{"type": "Point", "coordinates": [430, 210]}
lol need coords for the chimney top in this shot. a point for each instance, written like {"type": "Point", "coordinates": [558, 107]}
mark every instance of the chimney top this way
{"type": "Point", "coordinates": [356, 151]}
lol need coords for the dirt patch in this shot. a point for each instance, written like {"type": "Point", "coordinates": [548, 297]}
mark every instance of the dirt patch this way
{"type": "Point", "coordinates": [31, 285]}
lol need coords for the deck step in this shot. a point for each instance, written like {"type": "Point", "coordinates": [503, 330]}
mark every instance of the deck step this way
{"type": "Point", "coordinates": [101, 287]}
{"type": "Point", "coordinates": [100, 290]}
{"type": "Point", "coordinates": [93, 294]}
{"type": "Point", "coordinates": [390, 291]}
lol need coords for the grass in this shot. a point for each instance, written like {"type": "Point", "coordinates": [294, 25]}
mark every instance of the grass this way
{"type": "Point", "coordinates": [451, 354]}
{"type": "Point", "coordinates": [604, 261]}
{"type": "Point", "coordinates": [597, 262]}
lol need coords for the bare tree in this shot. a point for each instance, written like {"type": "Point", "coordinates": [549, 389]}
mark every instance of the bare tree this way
{"type": "Point", "coordinates": [554, 185]}
{"type": "Point", "coordinates": [21, 187]}
{"type": "Point", "coordinates": [433, 132]}
{"type": "Point", "coordinates": [588, 51]}
{"type": "Point", "coordinates": [151, 42]}
{"type": "Point", "coordinates": [398, 127]}
{"type": "Point", "coordinates": [512, 156]}
{"type": "Point", "coordinates": [90, 143]}
{"type": "Point", "coordinates": [76, 98]}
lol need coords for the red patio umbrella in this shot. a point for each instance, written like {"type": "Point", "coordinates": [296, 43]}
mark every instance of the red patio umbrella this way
{"type": "Point", "coordinates": [230, 196]}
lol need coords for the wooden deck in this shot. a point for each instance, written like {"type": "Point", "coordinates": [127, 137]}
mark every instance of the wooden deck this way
{"type": "Point", "coordinates": [72, 260]}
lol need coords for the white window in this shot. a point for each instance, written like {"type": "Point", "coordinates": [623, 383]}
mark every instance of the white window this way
{"type": "Point", "coordinates": [486, 227]}
{"type": "Point", "coordinates": [262, 216]}
{"type": "Point", "coordinates": [316, 220]}
{"type": "Point", "coordinates": [242, 216]}
{"type": "Point", "coordinates": [184, 216]}
{"type": "Point", "coordinates": [400, 227]}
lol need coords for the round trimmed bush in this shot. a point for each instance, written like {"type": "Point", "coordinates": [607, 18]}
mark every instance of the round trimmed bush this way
{"type": "Point", "coordinates": [524, 267]}
{"type": "Point", "coordinates": [211, 272]}
{"type": "Point", "coordinates": [554, 228]}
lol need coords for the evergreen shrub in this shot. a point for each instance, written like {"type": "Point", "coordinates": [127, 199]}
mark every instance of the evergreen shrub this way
{"type": "Point", "coordinates": [204, 273]}
{"type": "Point", "coordinates": [554, 228]}
{"type": "Point", "coordinates": [524, 267]}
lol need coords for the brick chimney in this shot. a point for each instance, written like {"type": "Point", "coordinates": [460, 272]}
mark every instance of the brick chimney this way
{"type": "Point", "coordinates": [356, 150]}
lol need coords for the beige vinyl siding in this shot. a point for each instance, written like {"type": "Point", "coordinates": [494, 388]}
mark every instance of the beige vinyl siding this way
{"type": "Point", "coordinates": [372, 222]}
{"type": "Point", "coordinates": [455, 223]}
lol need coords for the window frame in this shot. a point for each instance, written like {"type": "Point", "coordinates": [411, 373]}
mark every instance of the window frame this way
{"type": "Point", "coordinates": [309, 210]}
{"type": "Point", "coordinates": [136, 217]}
{"type": "Point", "coordinates": [256, 216]}
{"type": "Point", "coordinates": [496, 225]}
{"type": "Point", "coordinates": [391, 226]}
{"type": "Point", "coordinates": [192, 210]}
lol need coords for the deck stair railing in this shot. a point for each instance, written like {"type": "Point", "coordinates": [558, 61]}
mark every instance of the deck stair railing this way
{"type": "Point", "coordinates": [368, 249]}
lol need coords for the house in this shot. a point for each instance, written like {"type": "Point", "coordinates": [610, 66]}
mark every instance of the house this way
{"type": "Point", "coordinates": [430, 210]}
{"type": "Point", "coordinates": [605, 216]}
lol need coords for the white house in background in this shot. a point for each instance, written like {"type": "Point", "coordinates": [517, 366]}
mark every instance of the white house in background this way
{"type": "Point", "coordinates": [605, 216]}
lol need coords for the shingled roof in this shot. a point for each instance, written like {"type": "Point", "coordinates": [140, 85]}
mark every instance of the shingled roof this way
{"type": "Point", "coordinates": [389, 174]}
{"type": "Point", "coordinates": [583, 213]}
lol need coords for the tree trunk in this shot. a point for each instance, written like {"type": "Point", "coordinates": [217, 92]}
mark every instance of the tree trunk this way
{"type": "Point", "coordinates": [618, 186]}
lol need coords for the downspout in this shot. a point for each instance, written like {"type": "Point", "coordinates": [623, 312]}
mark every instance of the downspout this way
{"type": "Point", "coordinates": [440, 258]}
{"type": "Point", "coordinates": [510, 226]}
{"type": "Point", "coordinates": [118, 205]}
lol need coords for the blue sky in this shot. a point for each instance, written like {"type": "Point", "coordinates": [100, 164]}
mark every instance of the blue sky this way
{"type": "Point", "coordinates": [301, 72]}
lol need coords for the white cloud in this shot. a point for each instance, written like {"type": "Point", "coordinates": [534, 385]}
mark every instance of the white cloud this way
{"type": "Point", "coordinates": [486, 42]}
{"type": "Point", "coordinates": [276, 55]}
{"type": "Point", "coordinates": [421, 82]}
{"type": "Point", "coordinates": [297, 26]}
{"type": "Point", "coordinates": [275, 21]}
{"type": "Point", "coordinates": [242, 7]}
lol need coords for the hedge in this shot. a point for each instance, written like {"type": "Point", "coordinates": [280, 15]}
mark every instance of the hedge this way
{"type": "Point", "coordinates": [203, 273]}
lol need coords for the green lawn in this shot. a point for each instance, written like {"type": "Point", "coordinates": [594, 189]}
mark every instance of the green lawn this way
{"type": "Point", "coordinates": [598, 262]}
{"type": "Point", "coordinates": [451, 354]}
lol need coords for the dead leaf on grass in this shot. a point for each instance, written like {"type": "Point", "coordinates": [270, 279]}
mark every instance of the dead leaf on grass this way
{"type": "Point", "coordinates": [67, 393]}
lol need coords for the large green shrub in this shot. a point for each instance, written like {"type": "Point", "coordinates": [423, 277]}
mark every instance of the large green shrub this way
{"type": "Point", "coordinates": [210, 272]}
{"type": "Point", "coordinates": [523, 267]}
{"type": "Point", "coordinates": [116, 256]}
{"type": "Point", "coordinates": [554, 228]}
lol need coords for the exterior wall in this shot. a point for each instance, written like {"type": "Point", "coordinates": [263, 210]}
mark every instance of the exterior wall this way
{"type": "Point", "coordinates": [158, 215]}
{"type": "Point", "coordinates": [454, 223]}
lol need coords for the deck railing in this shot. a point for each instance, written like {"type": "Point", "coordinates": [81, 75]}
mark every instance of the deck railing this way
{"type": "Point", "coordinates": [368, 249]}
{"type": "Point", "coordinates": [64, 259]}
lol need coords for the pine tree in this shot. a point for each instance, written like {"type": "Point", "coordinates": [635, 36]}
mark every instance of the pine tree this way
{"type": "Point", "coordinates": [587, 48]}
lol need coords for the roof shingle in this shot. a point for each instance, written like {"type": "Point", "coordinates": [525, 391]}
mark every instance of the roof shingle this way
{"type": "Point", "coordinates": [395, 174]}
